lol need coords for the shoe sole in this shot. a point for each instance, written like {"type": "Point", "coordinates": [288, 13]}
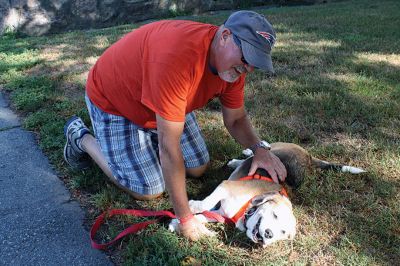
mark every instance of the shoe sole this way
{"type": "Point", "coordinates": [74, 166]}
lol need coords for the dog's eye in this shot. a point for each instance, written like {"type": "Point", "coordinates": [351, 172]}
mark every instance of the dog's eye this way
{"type": "Point", "coordinates": [251, 211]}
{"type": "Point", "coordinates": [283, 232]}
{"type": "Point", "coordinates": [275, 216]}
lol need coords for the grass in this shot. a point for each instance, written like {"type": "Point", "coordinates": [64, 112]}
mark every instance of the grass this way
{"type": "Point", "coordinates": [336, 93]}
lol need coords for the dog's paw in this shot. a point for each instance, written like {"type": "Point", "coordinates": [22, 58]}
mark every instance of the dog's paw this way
{"type": "Point", "coordinates": [247, 152]}
{"type": "Point", "coordinates": [201, 218]}
{"type": "Point", "coordinates": [174, 226]}
{"type": "Point", "coordinates": [196, 206]}
{"type": "Point", "coordinates": [234, 163]}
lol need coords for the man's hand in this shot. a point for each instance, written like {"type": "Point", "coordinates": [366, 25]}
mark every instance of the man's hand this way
{"type": "Point", "coordinates": [270, 162]}
{"type": "Point", "coordinates": [194, 229]}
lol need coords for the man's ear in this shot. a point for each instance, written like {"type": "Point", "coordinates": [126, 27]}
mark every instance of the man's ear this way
{"type": "Point", "coordinates": [261, 199]}
{"type": "Point", "coordinates": [224, 36]}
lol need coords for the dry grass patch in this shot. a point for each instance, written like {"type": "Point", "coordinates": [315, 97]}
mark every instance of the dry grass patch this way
{"type": "Point", "coordinates": [373, 58]}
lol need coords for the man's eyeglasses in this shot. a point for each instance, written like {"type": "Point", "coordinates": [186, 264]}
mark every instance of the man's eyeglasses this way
{"type": "Point", "coordinates": [244, 61]}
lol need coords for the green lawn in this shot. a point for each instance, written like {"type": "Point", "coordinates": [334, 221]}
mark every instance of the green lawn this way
{"type": "Point", "coordinates": [336, 92]}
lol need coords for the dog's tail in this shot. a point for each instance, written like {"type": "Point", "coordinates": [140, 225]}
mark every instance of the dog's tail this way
{"type": "Point", "coordinates": [324, 165]}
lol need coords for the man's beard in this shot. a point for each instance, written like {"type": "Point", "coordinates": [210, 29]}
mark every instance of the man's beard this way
{"type": "Point", "coordinates": [229, 75]}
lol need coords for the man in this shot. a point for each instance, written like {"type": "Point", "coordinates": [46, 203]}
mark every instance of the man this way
{"type": "Point", "coordinates": [141, 94]}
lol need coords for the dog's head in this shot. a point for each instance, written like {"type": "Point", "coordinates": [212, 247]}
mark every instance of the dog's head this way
{"type": "Point", "coordinates": [269, 219]}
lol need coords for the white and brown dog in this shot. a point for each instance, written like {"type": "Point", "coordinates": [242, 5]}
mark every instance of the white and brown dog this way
{"type": "Point", "coordinates": [262, 208]}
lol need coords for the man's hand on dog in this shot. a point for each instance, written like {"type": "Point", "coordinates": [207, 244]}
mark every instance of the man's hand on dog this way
{"type": "Point", "coordinates": [194, 229]}
{"type": "Point", "coordinates": [271, 163]}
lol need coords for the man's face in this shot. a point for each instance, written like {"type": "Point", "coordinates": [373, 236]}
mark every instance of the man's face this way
{"type": "Point", "coordinates": [230, 62]}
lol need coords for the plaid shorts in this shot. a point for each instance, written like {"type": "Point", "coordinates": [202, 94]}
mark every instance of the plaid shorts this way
{"type": "Point", "coordinates": [132, 151]}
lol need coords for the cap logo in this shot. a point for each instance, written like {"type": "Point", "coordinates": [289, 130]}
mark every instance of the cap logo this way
{"type": "Point", "coordinates": [268, 36]}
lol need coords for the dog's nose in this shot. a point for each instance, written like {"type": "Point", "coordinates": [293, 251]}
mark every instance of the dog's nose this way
{"type": "Point", "coordinates": [268, 234]}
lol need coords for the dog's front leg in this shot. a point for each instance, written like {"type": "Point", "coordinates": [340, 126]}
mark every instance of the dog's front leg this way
{"type": "Point", "coordinates": [198, 206]}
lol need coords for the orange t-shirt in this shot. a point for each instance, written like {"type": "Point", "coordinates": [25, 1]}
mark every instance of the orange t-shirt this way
{"type": "Point", "coordinates": [161, 68]}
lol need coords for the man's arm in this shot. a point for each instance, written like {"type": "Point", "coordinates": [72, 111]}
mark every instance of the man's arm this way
{"type": "Point", "coordinates": [173, 168]}
{"type": "Point", "coordinates": [238, 124]}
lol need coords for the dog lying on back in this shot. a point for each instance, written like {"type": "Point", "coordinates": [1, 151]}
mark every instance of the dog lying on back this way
{"type": "Point", "coordinates": [261, 208]}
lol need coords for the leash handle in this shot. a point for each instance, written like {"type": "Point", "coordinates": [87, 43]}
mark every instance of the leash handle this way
{"type": "Point", "coordinates": [139, 226]}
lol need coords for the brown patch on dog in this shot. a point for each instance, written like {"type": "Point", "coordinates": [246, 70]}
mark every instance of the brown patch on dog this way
{"type": "Point", "coordinates": [251, 187]}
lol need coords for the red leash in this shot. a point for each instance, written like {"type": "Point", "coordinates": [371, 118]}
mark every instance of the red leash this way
{"type": "Point", "coordinates": [160, 214]}
{"type": "Point", "coordinates": [139, 226]}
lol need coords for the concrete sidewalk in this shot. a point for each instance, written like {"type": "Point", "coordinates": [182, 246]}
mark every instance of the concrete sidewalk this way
{"type": "Point", "coordinates": [39, 223]}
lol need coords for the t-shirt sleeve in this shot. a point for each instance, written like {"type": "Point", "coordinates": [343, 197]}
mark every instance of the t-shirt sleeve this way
{"type": "Point", "coordinates": [233, 96]}
{"type": "Point", "coordinates": [164, 90]}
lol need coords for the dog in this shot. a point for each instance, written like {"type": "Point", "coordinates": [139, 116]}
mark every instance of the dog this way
{"type": "Point", "coordinates": [261, 208]}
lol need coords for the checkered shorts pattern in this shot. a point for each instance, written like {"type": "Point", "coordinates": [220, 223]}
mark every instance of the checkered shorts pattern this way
{"type": "Point", "coordinates": [132, 151]}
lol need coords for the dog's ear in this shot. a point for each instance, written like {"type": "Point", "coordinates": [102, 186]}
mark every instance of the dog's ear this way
{"type": "Point", "coordinates": [261, 199]}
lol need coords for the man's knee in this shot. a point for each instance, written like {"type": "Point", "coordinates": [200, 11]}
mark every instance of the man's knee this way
{"type": "Point", "coordinates": [197, 171]}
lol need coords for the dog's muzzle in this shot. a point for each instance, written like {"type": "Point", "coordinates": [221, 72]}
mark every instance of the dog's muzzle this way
{"type": "Point", "coordinates": [256, 230]}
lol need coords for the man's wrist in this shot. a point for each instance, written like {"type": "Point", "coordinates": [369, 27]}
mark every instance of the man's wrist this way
{"type": "Point", "coordinates": [261, 144]}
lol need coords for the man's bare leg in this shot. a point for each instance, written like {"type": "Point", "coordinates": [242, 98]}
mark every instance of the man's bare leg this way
{"type": "Point", "coordinates": [90, 145]}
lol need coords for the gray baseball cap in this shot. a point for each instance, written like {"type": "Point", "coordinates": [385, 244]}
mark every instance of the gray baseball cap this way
{"type": "Point", "coordinates": [256, 36]}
